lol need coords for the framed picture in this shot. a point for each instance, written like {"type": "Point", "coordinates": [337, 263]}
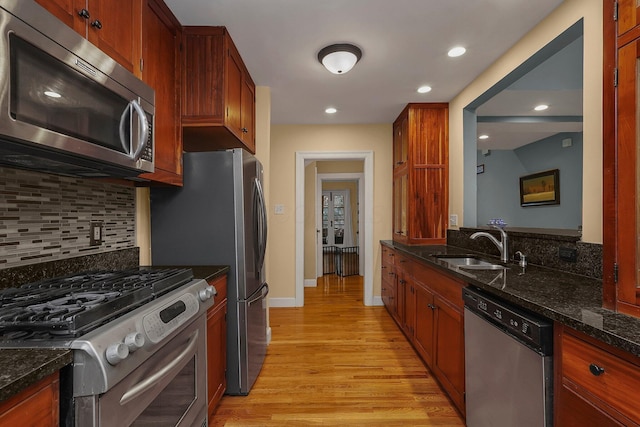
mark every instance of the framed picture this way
{"type": "Point", "coordinates": [542, 188]}
{"type": "Point", "coordinates": [480, 168]}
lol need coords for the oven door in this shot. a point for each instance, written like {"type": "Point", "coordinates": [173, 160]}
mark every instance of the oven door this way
{"type": "Point", "coordinates": [169, 389]}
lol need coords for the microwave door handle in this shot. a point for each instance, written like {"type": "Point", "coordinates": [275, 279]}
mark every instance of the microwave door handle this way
{"type": "Point", "coordinates": [144, 134]}
{"type": "Point", "coordinates": [126, 144]}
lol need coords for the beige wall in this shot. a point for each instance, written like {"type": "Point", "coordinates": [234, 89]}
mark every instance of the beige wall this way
{"type": "Point", "coordinates": [286, 140]}
{"type": "Point", "coordinates": [562, 18]}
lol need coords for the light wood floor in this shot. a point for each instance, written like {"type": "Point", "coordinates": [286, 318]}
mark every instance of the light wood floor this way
{"type": "Point", "coordinates": [335, 362]}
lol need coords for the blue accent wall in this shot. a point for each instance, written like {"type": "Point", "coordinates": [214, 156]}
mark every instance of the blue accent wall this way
{"type": "Point", "coordinates": [498, 188]}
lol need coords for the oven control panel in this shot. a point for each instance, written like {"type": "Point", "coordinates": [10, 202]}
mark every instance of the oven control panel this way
{"type": "Point", "coordinates": [161, 322]}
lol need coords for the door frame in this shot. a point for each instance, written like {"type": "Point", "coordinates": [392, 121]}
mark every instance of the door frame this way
{"type": "Point", "coordinates": [366, 205]}
{"type": "Point", "coordinates": [358, 177]}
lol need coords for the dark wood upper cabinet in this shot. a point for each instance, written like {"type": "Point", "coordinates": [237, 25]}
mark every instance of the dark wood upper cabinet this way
{"type": "Point", "coordinates": [161, 70]}
{"type": "Point", "coordinates": [421, 174]}
{"type": "Point", "coordinates": [111, 25]}
{"type": "Point", "coordinates": [218, 93]}
{"type": "Point", "coordinates": [621, 151]}
{"type": "Point", "coordinates": [628, 15]}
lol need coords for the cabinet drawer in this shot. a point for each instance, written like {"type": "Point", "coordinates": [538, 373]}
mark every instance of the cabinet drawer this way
{"type": "Point", "coordinates": [614, 386]}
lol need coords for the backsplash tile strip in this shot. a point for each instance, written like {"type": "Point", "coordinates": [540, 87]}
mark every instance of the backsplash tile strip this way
{"type": "Point", "coordinates": [46, 217]}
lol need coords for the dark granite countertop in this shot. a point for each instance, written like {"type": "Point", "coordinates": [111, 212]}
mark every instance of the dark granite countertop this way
{"type": "Point", "coordinates": [24, 367]}
{"type": "Point", "coordinates": [573, 300]}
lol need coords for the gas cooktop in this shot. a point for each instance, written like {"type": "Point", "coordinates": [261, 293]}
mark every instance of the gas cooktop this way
{"type": "Point", "coordinates": [73, 305]}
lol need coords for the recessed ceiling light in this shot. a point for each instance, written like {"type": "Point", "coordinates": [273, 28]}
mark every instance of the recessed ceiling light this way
{"type": "Point", "coordinates": [52, 94]}
{"type": "Point", "coordinates": [541, 107]}
{"type": "Point", "coordinates": [331, 110]}
{"type": "Point", "coordinates": [483, 137]}
{"type": "Point", "coordinates": [457, 51]}
{"type": "Point", "coordinates": [424, 89]}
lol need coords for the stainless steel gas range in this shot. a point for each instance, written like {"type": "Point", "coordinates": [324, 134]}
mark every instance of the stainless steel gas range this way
{"type": "Point", "coordinates": [138, 342]}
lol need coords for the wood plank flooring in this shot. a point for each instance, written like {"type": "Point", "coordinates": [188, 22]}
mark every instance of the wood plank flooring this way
{"type": "Point", "coordinates": [335, 362]}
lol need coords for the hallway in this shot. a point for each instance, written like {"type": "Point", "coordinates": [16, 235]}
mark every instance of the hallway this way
{"type": "Point", "coordinates": [335, 362]}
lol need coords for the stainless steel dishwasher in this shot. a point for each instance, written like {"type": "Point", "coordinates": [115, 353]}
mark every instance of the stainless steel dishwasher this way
{"type": "Point", "coordinates": [508, 364]}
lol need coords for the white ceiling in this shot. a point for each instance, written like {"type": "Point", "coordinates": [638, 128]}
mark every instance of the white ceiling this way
{"type": "Point", "coordinates": [404, 44]}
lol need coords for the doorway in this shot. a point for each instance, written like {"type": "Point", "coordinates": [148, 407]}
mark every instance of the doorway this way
{"type": "Point", "coordinates": [366, 208]}
{"type": "Point", "coordinates": [347, 186]}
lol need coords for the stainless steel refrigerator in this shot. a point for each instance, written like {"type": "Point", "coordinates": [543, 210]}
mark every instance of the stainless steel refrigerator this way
{"type": "Point", "coordinates": [219, 218]}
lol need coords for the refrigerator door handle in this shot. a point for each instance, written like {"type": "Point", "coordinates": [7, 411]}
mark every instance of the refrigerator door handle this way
{"type": "Point", "coordinates": [261, 223]}
{"type": "Point", "coordinates": [264, 290]}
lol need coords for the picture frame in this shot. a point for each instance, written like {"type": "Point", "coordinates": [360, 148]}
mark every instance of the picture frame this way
{"type": "Point", "coordinates": [541, 188]}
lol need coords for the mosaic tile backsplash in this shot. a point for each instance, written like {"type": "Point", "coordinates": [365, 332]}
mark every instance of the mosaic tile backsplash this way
{"type": "Point", "coordinates": [47, 217]}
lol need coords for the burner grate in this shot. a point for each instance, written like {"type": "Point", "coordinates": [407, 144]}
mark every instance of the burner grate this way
{"type": "Point", "coordinates": [73, 305]}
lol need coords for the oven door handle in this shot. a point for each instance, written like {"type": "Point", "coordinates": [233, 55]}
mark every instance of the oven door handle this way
{"type": "Point", "coordinates": [146, 384]}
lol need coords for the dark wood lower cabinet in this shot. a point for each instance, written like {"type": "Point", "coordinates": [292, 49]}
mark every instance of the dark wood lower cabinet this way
{"type": "Point", "coordinates": [595, 384]}
{"type": "Point", "coordinates": [217, 345]}
{"type": "Point", "coordinates": [37, 405]}
{"type": "Point", "coordinates": [429, 311]}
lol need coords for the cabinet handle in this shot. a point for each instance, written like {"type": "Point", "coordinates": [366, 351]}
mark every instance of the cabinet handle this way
{"type": "Point", "coordinates": [97, 24]}
{"type": "Point", "coordinates": [399, 163]}
{"type": "Point", "coordinates": [596, 370]}
{"type": "Point", "coordinates": [431, 306]}
{"type": "Point", "coordinates": [383, 267]}
{"type": "Point", "coordinates": [84, 13]}
{"type": "Point", "coordinates": [390, 273]}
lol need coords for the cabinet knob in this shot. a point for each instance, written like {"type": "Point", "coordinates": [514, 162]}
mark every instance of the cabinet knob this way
{"type": "Point", "coordinates": [245, 130]}
{"type": "Point", "coordinates": [431, 306]}
{"type": "Point", "coordinates": [596, 370]}
{"type": "Point", "coordinates": [84, 13]}
{"type": "Point", "coordinates": [97, 24]}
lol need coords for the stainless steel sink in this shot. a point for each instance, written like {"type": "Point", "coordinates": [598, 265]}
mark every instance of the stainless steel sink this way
{"type": "Point", "coordinates": [470, 263]}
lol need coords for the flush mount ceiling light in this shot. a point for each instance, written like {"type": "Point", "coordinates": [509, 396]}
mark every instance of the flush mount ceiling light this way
{"type": "Point", "coordinates": [339, 58]}
{"type": "Point", "coordinates": [541, 107]}
{"type": "Point", "coordinates": [331, 110]}
{"type": "Point", "coordinates": [483, 137]}
{"type": "Point", "coordinates": [424, 89]}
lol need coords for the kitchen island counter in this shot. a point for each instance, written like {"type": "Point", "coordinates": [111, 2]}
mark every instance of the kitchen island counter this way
{"type": "Point", "coordinates": [573, 300]}
{"type": "Point", "coordinates": [24, 367]}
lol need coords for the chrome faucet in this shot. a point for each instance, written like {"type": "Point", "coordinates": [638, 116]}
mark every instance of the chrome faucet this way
{"type": "Point", "coordinates": [502, 245]}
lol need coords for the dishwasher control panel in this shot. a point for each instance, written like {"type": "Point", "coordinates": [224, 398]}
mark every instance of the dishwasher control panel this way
{"type": "Point", "coordinates": [531, 329]}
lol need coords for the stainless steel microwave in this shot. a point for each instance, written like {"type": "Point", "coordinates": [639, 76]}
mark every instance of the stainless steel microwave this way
{"type": "Point", "coordinates": [65, 106]}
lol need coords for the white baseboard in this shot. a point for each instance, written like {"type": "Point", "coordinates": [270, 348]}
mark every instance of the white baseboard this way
{"type": "Point", "coordinates": [268, 335]}
{"type": "Point", "coordinates": [310, 283]}
{"type": "Point", "coordinates": [282, 302]}
{"type": "Point", "coordinates": [377, 300]}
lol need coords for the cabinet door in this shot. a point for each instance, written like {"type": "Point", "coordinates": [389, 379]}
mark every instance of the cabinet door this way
{"type": "Point", "coordinates": [114, 26]}
{"type": "Point", "coordinates": [35, 406]}
{"type": "Point", "coordinates": [424, 324]}
{"type": "Point", "coordinates": [247, 114]}
{"type": "Point", "coordinates": [400, 207]}
{"type": "Point", "coordinates": [627, 189]}
{"type": "Point", "coordinates": [449, 350]}
{"type": "Point", "coordinates": [68, 12]}
{"type": "Point", "coordinates": [216, 355]}
{"type": "Point", "coordinates": [628, 15]}
{"type": "Point", "coordinates": [428, 203]}
{"type": "Point", "coordinates": [401, 142]}
{"type": "Point", "coordinates": [234, 92]}
{"type": "Point", "coordinates": [161, 71]}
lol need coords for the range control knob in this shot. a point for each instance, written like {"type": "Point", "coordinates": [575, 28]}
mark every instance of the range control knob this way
{"type": "Point", "coordinates": [207, 293]}
{"type": "Point", "coordinates": [116, 353]}
{"type": "Point", "coordinates": [134, 341]}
